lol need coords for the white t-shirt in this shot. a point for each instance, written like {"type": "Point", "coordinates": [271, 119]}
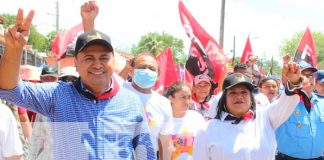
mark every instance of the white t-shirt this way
{"type": "Point", "coordinates": [119, 80]}
{"type": "Point", "coordinates": [213, 107]}
{"type": "Point", "coordinates": [249, 140]}
{"type": "Point", "coordinates": [260, 99]}
{"type": "Point", "coordinates": [200, 109]}
{"type": "Point", "coordinates": [10, 144]}
{"type": "Point", "coordinates": [158, 113]}
{"type": "Point", "coordinates": [185, 130]}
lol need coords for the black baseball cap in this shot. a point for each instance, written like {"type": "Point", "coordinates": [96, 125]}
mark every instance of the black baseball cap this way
{"type": "Point", "coordinates": [304, 65]}
{"type": "Point", "coordinates": [92, 37]}
{"type": "Point", "coordinates": [235, 79]}
{"type": "Point", "coordinates": [49, 71]}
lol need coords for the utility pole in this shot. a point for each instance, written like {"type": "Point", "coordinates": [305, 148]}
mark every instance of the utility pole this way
{"type": "Point", "coordinates": [233, 61]}
{"type": "Point", "coordinates": [221, 32]}
{"type": "Point", "coordinates": [58, 65]}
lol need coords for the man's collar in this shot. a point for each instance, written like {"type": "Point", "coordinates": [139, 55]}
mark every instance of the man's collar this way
{"type": "Point", "coordinates": [110, 92]}
{"type": "Point", "coordinates": [84, 88]}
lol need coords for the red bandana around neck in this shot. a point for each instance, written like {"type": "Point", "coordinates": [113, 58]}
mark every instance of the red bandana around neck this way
{"type": "Point", "coordinates": [247, 116]}
{"type": "Point", "coordinates": [114, 90]}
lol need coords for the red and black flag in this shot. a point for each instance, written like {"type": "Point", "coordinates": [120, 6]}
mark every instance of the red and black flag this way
{"type": "Point", "coordinates": [206, 56]}
{"type": "Point", "coordinates": [306, 49]}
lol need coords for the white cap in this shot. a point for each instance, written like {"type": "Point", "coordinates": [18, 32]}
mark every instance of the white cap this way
{"type": "Point", "coordinates": [202, 77]}
{"type": "Point", "coordinates": [69, 71]}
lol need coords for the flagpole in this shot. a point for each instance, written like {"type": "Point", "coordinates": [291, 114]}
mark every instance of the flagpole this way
{"type": "Point", "coordinates": [233, 61]}
{"type": "Point", "coordinates": [58, 65]}
{"type": "Point", "coordinates": [271, 65]}
{"type": "Point", "coordinates": [222, 18]}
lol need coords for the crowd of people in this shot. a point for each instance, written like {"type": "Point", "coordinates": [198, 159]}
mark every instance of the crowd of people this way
{"type": "Point", "coordinates": [90, 112]}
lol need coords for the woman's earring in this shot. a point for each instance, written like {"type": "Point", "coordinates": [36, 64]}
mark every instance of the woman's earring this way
{"type": "Point", "coordinates": [225, 108]}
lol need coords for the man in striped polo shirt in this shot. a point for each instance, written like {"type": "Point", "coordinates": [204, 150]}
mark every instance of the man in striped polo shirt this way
{"type": "Point", "coordinates": [93, 118]}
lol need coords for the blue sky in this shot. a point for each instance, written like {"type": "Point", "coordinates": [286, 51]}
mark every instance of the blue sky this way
{"type": "Point", "coordinates": [268, 22]}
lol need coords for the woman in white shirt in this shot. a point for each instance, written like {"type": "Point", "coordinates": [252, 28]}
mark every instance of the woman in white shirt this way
{"type": "Point", "coordinates": [186, 123]}
{"type": "Point", "coordinates": [239, 130]}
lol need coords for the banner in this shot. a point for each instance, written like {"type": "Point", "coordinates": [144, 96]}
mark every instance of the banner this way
{"type": "Point", "coordinates": [168, 71]}
{"type": "Point", "coordinates": [247, 52]}
{"type": "Point", "coordinates": [64, 39]}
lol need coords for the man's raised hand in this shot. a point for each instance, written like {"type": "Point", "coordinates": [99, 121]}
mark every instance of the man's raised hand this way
{"type": "Point", "coordinates": [16, 36]}
{"type": "Point", "coordinates": [89, 10]}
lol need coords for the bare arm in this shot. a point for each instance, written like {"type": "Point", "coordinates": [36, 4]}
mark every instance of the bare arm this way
{"type": "Point", "coordinates": [89, 12]}
{"type": "Point", "coordinates": [167, 146]}
{"type": "Point", "coordinates": [280, 111]}
{"type": "Point", "coordinates": [15, 38]}
{"type": "Point", "coordinates": [14, 158]}
{"type": "Point", "coordinates": [285, 60]}
{"type": "Point", "coordinates": [125, 72]}
{"type": "Point", "coordinates": [25, 125]}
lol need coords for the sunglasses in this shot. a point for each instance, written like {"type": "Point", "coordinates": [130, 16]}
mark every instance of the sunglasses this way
{"type": "Point", "coordinates": [68, 79]}
{"type": "Point", "coordinates": [311, 75]}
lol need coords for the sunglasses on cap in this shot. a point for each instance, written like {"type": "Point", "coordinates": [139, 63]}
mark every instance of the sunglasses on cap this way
{"type": "Point", "coordinates": [68, 79]}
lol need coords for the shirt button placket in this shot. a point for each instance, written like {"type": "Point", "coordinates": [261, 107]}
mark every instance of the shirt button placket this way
{"type": "Point", "coordinates": [100, 134]}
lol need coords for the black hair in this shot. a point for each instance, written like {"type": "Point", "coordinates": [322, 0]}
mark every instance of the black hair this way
{"type": "Point", "coordinates": [174, 88]}
{"type": "Point", "coordinates": [240, 66]}
{"type": "Point", "coordinates": [263, 80]}
{"type": "Point", "coordinates": [221, 106]}
{"type": "Point", "coordinates": [145, 54]}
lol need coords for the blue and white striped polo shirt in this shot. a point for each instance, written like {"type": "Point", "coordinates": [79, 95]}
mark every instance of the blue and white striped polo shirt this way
{"type": "Point", "coordinates": [86, 128]}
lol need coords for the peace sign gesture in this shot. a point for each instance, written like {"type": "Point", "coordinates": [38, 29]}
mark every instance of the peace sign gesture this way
{"type": "Point", "coordinates": [16, 36]}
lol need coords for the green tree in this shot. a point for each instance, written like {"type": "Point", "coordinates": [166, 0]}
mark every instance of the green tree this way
{"type": "Point", "coordinates": [36, 39]}
{"type": "Point", "coordinates": [49, 40]}
{"type": "Point", "coordinates": [290, 46]}
{"type": "Point", "coordinates": [8, 19]}
{"type": "Point", "coordinates": [268, 64]}
{"type": "Point", "coordinates": [155, 43]}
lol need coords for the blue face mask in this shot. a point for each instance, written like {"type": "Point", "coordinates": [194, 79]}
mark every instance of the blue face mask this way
{"type": "Point", "coordinates": [145, 78]}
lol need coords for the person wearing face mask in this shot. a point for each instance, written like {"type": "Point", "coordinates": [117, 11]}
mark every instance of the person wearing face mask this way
{"type": "Point", "coordinates": [301, 136]}
{"type": "Point", "coordinates": [144, 73]}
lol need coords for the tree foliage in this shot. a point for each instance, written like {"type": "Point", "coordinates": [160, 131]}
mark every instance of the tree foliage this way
{"type": "Point", "coordinates": [50, 37]}
{"type": "Point", "coordinates": [154, 43]}
{"type": "Point", "coordinates": [270, 64]}
{"type": "Point", "coordinates": [8, 19]}
{"type": "Point", "coordinates": [266, 65]}
{"type": "Point", "coordinates": [290, 46]}
{"type": "Point", "coordinates": [36, 39]}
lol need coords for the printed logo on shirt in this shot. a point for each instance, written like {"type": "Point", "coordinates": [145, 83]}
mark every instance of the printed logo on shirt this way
{"type": "Point", "coordinates": [183, 143]}
{"type": "Point", "coordinates": [149, 117]}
